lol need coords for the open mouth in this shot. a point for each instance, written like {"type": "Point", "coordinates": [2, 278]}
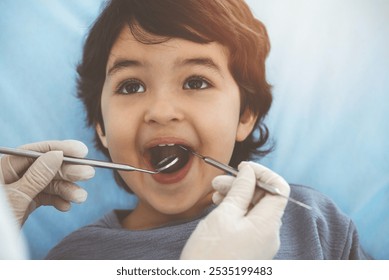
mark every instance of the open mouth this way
{"type": "Point", "coordinates": [159, 153]}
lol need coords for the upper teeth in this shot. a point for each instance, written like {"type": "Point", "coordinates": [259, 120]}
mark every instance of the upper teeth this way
{"type": "Point", "coordinates": [164, 145]}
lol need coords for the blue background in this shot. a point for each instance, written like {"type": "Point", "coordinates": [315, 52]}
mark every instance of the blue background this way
{"type": "Point", "coordinates": [329, 66]}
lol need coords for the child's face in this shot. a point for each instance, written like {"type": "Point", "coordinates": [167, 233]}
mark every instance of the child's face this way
{"type": "Point", "coordinates": [176, 92]}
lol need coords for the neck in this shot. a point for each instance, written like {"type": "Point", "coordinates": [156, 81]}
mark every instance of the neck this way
{"type": "Point", "coordinates": [144, 216]}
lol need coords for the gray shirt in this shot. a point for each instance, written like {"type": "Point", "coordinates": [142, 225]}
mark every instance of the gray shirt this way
{"type": "Point", "coordinates": [323, 233]}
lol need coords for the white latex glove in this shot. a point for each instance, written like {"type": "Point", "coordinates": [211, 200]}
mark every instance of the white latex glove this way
{"type": "Point", "coordinates": [236, 229]}
{"type": "Point", "coordinates": [30, 183]}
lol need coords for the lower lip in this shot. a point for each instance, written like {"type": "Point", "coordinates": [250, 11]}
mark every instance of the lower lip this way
{"type": "Point", "coordinates": [171, 178]}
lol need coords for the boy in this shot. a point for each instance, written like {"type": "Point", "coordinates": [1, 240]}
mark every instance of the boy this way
{"type": "Point", "coordinates": [156, 76]}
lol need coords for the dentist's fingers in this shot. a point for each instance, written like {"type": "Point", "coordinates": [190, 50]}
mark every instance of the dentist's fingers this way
{"type": "Point", "coordinates": [52, 200]}
{"type": "Point", "coordinates": [227, 232]}
{"type": "Point", "coordinates": [258, 195]}
{"type": "Point", "coordinates": [217, 198]}
{"type": "Point", "coordinates": [15, 166]}
{"type": "Point", "coordinates": [75, 173]}
{"type": "Point", "coordinates": [67, 191]}
{"type": "Point", "coordinates": [271, 207]}
{"type": "Point", "coordinates": [40, 174]}
{"type": "Point", "coordinates": [268, 176]}
{"type": "Point", "coordinates": [242, 190]}
{"type": "Point", "coordinates": [72, 148]}
{"type": "Point", "coordinates": [222, 184]}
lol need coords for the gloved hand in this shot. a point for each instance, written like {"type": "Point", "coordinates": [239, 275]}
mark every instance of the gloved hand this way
{"type": "Point", "coordinates": [30, 183]}
{"type": "Point", "coordinates": [237, 229]}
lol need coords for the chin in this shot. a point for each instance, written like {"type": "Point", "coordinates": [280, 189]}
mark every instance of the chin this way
{"type": "Point", "coordinates": [186, 207]}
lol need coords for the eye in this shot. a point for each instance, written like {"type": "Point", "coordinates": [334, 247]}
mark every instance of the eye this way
{"type": "Point", "coordinates": [131, 86]}
{"type": "Point", "coordinates": [196, 82]}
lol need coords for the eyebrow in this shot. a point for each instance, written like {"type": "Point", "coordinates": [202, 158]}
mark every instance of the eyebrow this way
{"type": "Point", "coordinates": [123, 63]}
{"type": "Point", "coordinates": [202, 61]}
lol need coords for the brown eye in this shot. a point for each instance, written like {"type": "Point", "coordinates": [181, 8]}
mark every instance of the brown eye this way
{"type": "Point", "coordinates": [196, 83]}
{"type": "Point", "coordinates": [131, 87]}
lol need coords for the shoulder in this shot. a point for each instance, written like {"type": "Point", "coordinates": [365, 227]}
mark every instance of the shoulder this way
{"type": "Point", "coordinates": [325, 232]}
{"type": "Point", "coordinates": [325, 214]}
{"type": "Point", "coordinates": [322, 205]}
{"type": "Point", "coordinates": [81, 243]}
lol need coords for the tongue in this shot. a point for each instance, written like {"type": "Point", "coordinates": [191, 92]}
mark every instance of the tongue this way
{"type": "Point", "coordinates": [159, 153]}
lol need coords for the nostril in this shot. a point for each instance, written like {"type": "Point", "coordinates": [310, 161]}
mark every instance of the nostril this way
{"type": "Point", "coordinates": [162, 111]}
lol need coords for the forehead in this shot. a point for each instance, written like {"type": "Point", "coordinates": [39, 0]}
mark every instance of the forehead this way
{"type": "Point", "coordinates": [154, 49]}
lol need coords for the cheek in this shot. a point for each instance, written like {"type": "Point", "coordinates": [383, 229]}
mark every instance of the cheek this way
{"type": "Point", "coordinates": [220, 126]}
{"type": "Point", "coordinates": [223, 140]}
{"type": "Point", "coordinates": [117, 131]}
{"type": "Point", "coordinates": [120, 129]}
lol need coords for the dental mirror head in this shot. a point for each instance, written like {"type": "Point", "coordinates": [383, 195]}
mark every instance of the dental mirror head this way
{"type": "Point", "coordinates": [165, 164]}
{"type": "Point", "coordinates": [163, 154]}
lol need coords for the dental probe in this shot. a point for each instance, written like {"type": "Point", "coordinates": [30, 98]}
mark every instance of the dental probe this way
{"type": "Point", "coordinates": [270, 189]}
{"type": "Point", "coordinates": [92, 162]}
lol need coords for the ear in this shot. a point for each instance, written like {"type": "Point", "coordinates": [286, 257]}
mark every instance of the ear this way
{"type": "Point", "coordinates": [246, 124]}
{"type": "Point", "coordinates": [101, 134]}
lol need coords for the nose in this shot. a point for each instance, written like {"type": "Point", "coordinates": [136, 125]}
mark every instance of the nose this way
{"type": "Point", "coordinates": [163, 109]}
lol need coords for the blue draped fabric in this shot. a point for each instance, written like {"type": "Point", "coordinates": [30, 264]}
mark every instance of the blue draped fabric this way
{"type": "Point", "coordinates": [328, 65]}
